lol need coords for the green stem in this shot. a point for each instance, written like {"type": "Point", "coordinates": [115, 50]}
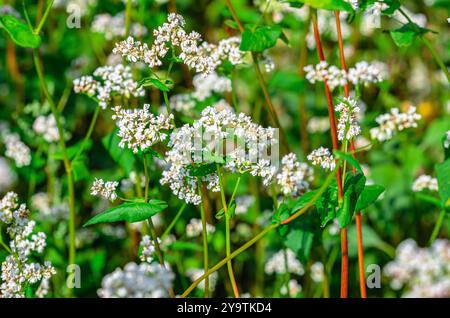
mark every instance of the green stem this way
{"type": "Point", "coordinates": [437, 227]}
{"type": "Point", "coordinates": [174, 221]}
{"type": "Point", "coordinates": [67, 165]}
{"type": "Point", "coordinates": [227, 235]}
{"type": "Point", "coordinates": [88, 134]}
{"type": "Point", "coordinates": [6, 247]}
{"type": "Point", "coordinates": [151, 226]}
{"type": "Point", "coordinates": [205, 240]}
{"type": "Point", "coordinates": [44, 17]}
{"type": "Point", "coordinates": [128, 9]}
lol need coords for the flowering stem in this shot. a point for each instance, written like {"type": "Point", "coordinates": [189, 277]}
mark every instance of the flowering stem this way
{"type": "Point", "coordinates": [227, 235]}
{"type": "Point", "coordinates": [333, 129]}
{"type": "Point", "coordinates": [88, 134]}
{"type": "Point", "coordinates": [261, 235]}
{"type": "Point", "coordinates": [433, 52]}
{"type": "Point", "coordinates": [362, 283]}
{"type": "Point", "coordinates": [174, 221]}
{"type": "Point", "coordinates": [437, 227]}
{"type": "Point", "coordinates": [67, 165]}
{"type": "Point", "coordinates": [205, 240]}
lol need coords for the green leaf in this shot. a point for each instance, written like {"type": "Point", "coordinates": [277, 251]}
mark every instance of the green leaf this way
{"type": "Point", "coordinates": [202, 170]}
{"type": "Point", "coordinates": [406, 35]}
{"type": "Point", "coordinates": [260, 39]}
{"type": "Point", "coordinates": [300, 242]}
{"type": "Point", "coordinates": [369, 195]}
{"type": "Point", "coordinates": [443, 177]}
{"type": "Point", "coordinates": [124, 157]}
{"type": "Point", "coordinates": [151, 81]}
{"type": "Point", "coordinates": [130, 212]}
{"type": "Point", "coordinates": [340, 5]}
{"type": "Point", "coordinates": [349, 158]}
{"type": "Point", "coordinates": [20, 33]}
{"type": "Point", "coordinates": [80, 169]}
{"type": "Point", "coordinates": [326, 205]}
{"type": "Point", "coordinates": [353, 187]}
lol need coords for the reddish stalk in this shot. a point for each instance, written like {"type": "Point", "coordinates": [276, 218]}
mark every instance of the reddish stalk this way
{"type": "Point", "coordinates": [333, 129]}
{"type": "Point", "coordinates": [362, 283]}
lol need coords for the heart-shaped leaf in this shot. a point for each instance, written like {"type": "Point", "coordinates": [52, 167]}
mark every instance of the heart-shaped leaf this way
{"type": "Point", "coordinates": [20, 33]}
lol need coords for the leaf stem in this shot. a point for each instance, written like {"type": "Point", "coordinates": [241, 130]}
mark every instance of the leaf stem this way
{"type": "Point", "coordinates": [129, 6]}
{"type": "Point", "coordinates": [437, 227]}
{"type": "Point", "coordinates": [205, 240]}
{"type": "Point", "coordinates": [174, 221]}
{"type": "Point", "coordinates": [227, 235]}
{"type": "Point", "coordinates": [88, 134]}
{"type": "Point", "coordinates": [44, 17]}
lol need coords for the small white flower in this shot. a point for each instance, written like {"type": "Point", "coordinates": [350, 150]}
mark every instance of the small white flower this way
{"type": "Point", "coordinates": [194, 228]}
{"type": "Point", "coordinates": [277, 263]}
{"type": "Point", "coordinates": [46, 126]}
{"type": "Point", "coordinates": [393, 122]}
{"type": "Point", "coordinates": [323, 158]}
{"type": "Point", "coordinates": [425, 182]}
{"type": "Point", "coordinates": [104, 189]}
{"type": "Point", "coordinates": [348, 126]}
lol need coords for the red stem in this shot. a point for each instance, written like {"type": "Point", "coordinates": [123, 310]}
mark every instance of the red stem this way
{"type": "Point", "coordinates": [362, 280]}
{"type": "Point", "coordinates": [333, 129]}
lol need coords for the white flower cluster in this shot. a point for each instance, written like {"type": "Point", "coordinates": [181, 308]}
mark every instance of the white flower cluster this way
{"type": "Point", "coordinates": [114, 80]}
{"type": "Point", "coordinates": [114, 26]}
{"type": "Point", "coordinates": [322, 157]}
{"type": "Point", "coordinates": [201, 56]}
{"type": "Point", "coordinates": [362, 74]}
{"type": "Point", "coordinates": [205, 86]}
{"type": "Point", "coordinates": [425, 182]}
{"type": "Point", "coordinates": [317, 272]}
{"type": "Point", "coordinates": [277, 263]}
{"type": "Point", "coordinates": [137, 281]}
{"type": "Point", "coordinates": [46, 127]}
{"type": "Point", "coordinates": [295, 177]}
{"type": "Point", "coordinates": [194, 228]}
{"type": "Point", "coordinates": [421, 272]}
{"type": "Point", "coordinates": [16, 149]}
{"type": "Point", "coordinates": [195, 273]}
{"type": "Point", "coordinates": [218, 124]}
{"type": "Point", "coordinates": [148, 249]}
{"type": "Point", "coordinates": [394, 121]}
{"type": "Point", "coordinates": [104, 189]}
{"type": "Point", "coordinates": [6, 9]}
{"type": "Point", "coordinates": [139, 129]}
{"type": "Point", "coordinates": [48, 211]}
{"type": "Point", "coordinates": [348, 126]}
{"type": "Point", "coordinates": [447, 140]}
{"type": "Point", "coordinates": [17, 270]}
